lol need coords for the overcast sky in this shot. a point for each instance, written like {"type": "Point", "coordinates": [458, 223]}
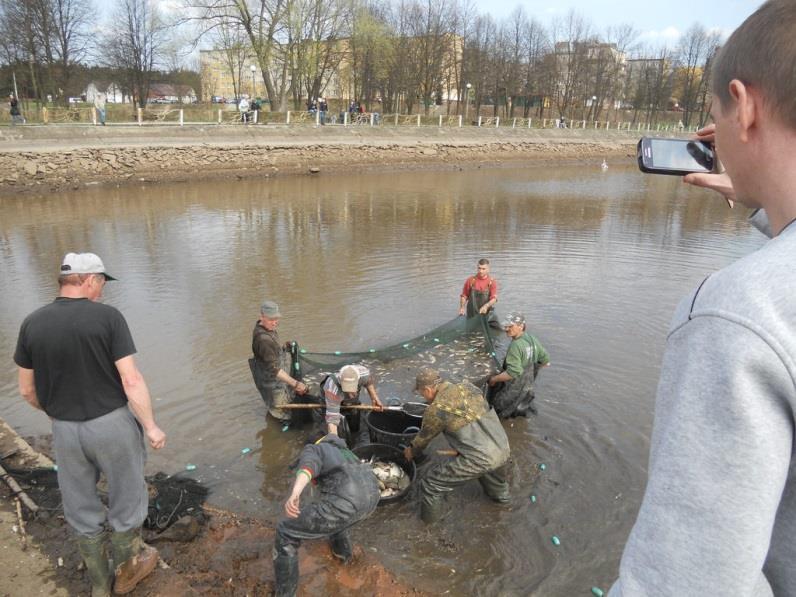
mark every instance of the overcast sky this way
{"type": "Point", "coordinates": [658, 21]}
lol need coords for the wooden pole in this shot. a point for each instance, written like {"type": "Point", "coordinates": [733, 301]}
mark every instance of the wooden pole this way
{"type": "Point", "coordinates": [11, 482]}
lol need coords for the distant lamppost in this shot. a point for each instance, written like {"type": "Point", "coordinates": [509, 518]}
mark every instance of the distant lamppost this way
{"type": "Point", "coordinates": [254, 70]}
{"type": "Point", "coordinates": [467, 101]}
{"type": "Point", "coordinates": [594, 107]}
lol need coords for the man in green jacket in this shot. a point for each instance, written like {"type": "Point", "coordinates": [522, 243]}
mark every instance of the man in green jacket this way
{"type": "Point", "coordinates": [511, 391]}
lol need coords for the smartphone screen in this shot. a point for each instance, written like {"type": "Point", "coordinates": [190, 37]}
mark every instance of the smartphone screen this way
{"type": "Point", "coordinates": [679, 155]}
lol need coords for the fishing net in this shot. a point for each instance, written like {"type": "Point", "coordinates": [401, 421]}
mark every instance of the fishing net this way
{"type": "Point", "coordinates": [174, 497]}
{"type": "Point", "coordinates": [481, 327]}
{"type": "Point", "coordinates": [170, 497]}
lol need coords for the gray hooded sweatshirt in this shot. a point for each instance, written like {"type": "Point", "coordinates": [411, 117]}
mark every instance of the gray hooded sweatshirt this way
{"type": "Point", "coordinates": [719, 512]}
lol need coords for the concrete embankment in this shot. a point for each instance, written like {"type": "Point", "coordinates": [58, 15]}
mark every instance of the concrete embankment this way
{"type": "Point", "coordinates": [43, 159]}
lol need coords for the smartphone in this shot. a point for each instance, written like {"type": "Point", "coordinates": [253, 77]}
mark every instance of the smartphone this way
{"type": "Point", "coordinates": [674, 156]}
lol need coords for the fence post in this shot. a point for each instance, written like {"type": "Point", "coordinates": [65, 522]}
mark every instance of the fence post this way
{"type": "Point", "coordinates": [182, 117]}
{"type": "Point", "coordinates": [44, 115]}
{"type": "Point", "coordinates": [345, 118]}
{"type": "Point", "coordinates": [440, 120]}
{"type": "Point", "coordinates": [396, 119]}
{"type": "Point", "coordinates": [220, 118]}
{"type": "Point", "coordinates": [460, 121]}
{"type": "Point", "coordinates": [287, 119]}
{"type": "Point", "coordinates": [607, 125]}
{"type": "Point", "coordinates": [479, 120]}
{"type": "Point", "coordinates": [418, 120]}
{"type": "Point", "coordinates": [497, 121]}
{"type": "Point", "coordinates": [514, 123]}
{"type": "Point", "coordinates": [256, 116]}
{"type": "Point", "coordinates": [529, 122]}
{"type": "Point", "coordinates": [94, 116]}
{"type": "Point", "coordinates": [544, 123]}
{"type": "Point", "coordinates": [372, 118]}
{"type": "Point", "coordinates": [140, 116]}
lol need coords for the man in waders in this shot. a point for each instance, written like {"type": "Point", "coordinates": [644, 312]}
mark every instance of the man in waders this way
{"type": "Point", "coordinates": [349, 492]}
{"type": "Point", "coordinates": [271, 363]}
{"type": "Point", "coordinates": [343, 389]}
{"type": "Point", "coordinates": [511, 391]}
{"type": "Point", "coordinates": [479, 293]}
{"type": "Point", "coordinates": [472, 429]}
{"type": "Point", "coordinates": [75, 359]}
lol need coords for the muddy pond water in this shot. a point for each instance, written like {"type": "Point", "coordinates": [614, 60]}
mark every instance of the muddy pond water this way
{"type": "Point", "coordinates": [597, 261]}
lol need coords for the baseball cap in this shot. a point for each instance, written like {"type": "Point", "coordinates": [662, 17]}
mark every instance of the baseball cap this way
{"type": "Point", "coordinates": [349, 379]}
{"type": "Point", "coordinates": [426, 377]}
{"type": "Point", "coordinates": [83, 263]}
{"type": "Point", "coordinates": [270, 309]}
{"type": "Point", "coordinates": [514, 318]}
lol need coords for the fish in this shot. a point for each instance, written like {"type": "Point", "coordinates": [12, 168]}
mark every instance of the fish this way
{"type": "Point", "coordinates": [392, 478]}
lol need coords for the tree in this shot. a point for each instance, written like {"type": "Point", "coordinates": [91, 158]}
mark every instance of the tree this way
{"type": "Point", "coordinates": [136, 38]}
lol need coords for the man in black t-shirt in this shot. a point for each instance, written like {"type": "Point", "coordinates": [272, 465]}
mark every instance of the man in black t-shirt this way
{"type": "Point", "coordinates": [75, 359]}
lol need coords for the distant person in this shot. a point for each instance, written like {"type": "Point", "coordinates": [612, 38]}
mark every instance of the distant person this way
{"type": "Point", "coordinates": [511, 391]}
{"type": "Point", "coordinates": [479, 293]}
{"type": "Point", "coordinates": [323, 108]}
{"type": "Point", "coordinates": [719, 510]}
{"type": "Point", "coordinates": [472, 429]}
{"type": "Point", "coordinates": [75, 361]}
{"type": "Point", "coordinates": [257, 106]}
{"type": "Point", "coordinates": [343, 389]}
{"type": "Point", "coordinates": [348, 493]}
{"type": "Point", "coordinates": [271, 363]}
{"type": "Point", "coordinates": [13, 107]}
{"type": "Point", "coordinates": [243, 108]}
{"type": "Point", "coordinates": [99, 106]}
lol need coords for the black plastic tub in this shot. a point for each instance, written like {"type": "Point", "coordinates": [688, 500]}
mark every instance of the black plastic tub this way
{"type": "Point", "coordinates": [392, 428]}
{"type": "Point", "coordinates": [392, 454]}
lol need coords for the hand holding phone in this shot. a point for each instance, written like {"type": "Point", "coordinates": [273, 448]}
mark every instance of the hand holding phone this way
{"type": "Point", "coordinates": [720, 181]}
{"type": "Point", "coordinates": [675, 156]}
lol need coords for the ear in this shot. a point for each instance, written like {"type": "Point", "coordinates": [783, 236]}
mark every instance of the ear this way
{"type": "Point", "coordinates": [747, 106]}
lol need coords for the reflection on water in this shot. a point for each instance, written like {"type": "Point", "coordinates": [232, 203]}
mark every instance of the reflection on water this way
{"type": "Point", "coordinates": [597, 260]}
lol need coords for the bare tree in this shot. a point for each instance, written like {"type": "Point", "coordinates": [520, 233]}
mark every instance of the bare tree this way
{"type": "Point", "coordinates": [134, 43]}
{"type": "Point", "coordinates": [696, 46]}
{"type": "Point", "coordinates": [569, 63]}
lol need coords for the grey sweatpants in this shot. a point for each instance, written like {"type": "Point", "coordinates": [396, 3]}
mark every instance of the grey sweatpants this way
{"type": "Point", "coordinates": [112, 444]}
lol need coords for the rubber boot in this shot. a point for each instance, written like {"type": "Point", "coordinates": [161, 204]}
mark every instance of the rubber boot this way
{"type": "Point", "coordinates": [134, 560]}
{"type": "Point", "coordinates": [286, 573]}
{"type": "Point", "coordinates": [341, 547]}
{"type": "Point", "coordinates": [430, 511]}
{"type": "Point", "coordinates": [94, 551]}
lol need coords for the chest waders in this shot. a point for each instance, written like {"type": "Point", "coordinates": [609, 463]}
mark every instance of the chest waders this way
{"type": "Point", "coordinates": [513, 398]}
{"type": "Point", "coordinates": [274, 392]}
{"type": "Point", "coordinates": [348, 494]}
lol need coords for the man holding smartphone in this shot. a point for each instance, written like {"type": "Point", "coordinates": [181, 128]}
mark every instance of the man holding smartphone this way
{"type": "Point", "coordinates": [719, 512]}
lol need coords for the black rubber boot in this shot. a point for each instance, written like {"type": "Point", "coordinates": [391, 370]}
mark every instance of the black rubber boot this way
{"type": "Point", "coordinates": [286, 573]}
{"type": "Point", "coordinates": [94, 551]}
{"type": "Point", "coordinates": [430, 511]}
{"type": "Point", "coordinates": [341, 547]}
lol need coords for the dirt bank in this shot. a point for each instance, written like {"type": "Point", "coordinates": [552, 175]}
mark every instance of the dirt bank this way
{"type": "Point", "coordinates": [40, 160]}
{"type": "Point", "coordinates": [230, 556]}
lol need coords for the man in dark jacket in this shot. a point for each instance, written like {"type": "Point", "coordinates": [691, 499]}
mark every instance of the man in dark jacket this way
{"type": "Point", "coordinates": [472, 429]}
{"type": "Point", "coordinates": [349, 493]}
{"type": "Point", "coordinates": [271, 364]}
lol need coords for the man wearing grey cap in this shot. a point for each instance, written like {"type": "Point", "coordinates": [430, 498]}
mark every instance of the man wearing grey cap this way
{"type": "Point", "coordinates": [472, 429]}
{"type": "Point", "coordinates": [511, 391]}
{"type": "Point", "coordinates": [75, 359]}
{"type": "Point", "coordinates": [271, 364]}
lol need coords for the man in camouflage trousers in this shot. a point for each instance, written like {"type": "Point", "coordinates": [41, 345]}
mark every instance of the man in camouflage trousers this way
{"type": "Point", "coordinates": [473, 429]}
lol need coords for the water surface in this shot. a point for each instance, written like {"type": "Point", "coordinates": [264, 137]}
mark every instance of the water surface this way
{"type": "Point", "coordinates": [596, 260]}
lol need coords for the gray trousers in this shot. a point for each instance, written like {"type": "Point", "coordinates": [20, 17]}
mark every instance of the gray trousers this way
{"type": "Point", "coordinates": [114, 445]}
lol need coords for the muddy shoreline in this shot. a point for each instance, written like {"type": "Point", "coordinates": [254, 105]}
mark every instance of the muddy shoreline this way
{"type": "Point", "coordinates": [231, 555]}
{"type": "Point", "coordinates": [39, 161]}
